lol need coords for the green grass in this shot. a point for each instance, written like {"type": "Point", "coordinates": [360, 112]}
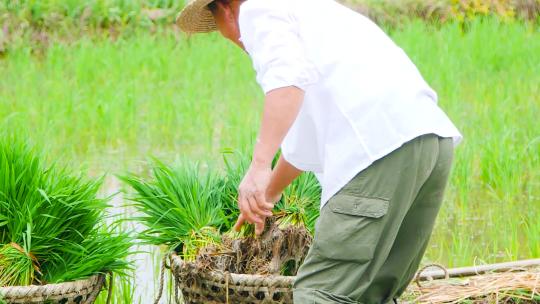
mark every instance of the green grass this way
{"type": "Point", "coordinates": [55, 14]}
{"type": "Point", "coordinates": [180, 207]}
{"type": "Point", "coordinates": [49, 13]}
{"type": "Point", "coordinates": [105, 99]}
{"type": "Point", "coordinates": [108, 105]}
{"type": "Point", "coordinates": [52, 225]}
{"type": "Point", "coordinates": [487, 80]}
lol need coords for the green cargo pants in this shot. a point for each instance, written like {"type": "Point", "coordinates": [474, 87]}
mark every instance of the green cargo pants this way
{"type": "Point", "coordinates": [371, 236]}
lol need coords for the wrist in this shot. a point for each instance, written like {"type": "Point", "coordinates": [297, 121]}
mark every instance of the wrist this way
{"type": "Point", "coordinates": [261, 163]}
{"type": "Point", "coordinates": [263, 155]}
{"type": "Point", "coordinates": [273, 194]}
{"type": "Point", "coordinates": [273, 198]}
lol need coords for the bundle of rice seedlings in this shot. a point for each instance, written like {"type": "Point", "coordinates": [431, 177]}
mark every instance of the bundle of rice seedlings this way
{"type": "Point", "coordinates": [300, 203]}
{"type": "Point", "coordinates": [180, 206]}
{"type": "Point", "coordinates": [286, 239]}
{"type": "Point", "coordinates": [17, 267]}
{"type": "Point", "coordinates": [295, 215]}
{"type": "Point", "coordinates": [236, 165]}
{"type": "Point", "coordinates": [52, 225]}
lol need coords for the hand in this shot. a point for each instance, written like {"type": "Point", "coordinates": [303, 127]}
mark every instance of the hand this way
{"type": "Point", "coordinates": [252, 202]}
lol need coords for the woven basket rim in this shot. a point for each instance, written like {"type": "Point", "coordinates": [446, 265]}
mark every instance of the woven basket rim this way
{"type": "Point", "coordinates": [55, 289]}
{"type": "Point", "coordinates": [178, 263]}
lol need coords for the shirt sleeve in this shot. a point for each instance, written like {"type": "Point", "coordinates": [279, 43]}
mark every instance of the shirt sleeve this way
{"type": "Point", "coordinates": [270, 36]}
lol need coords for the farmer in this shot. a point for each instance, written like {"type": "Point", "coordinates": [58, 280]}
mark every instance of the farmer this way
{"type": "Point", "coordinates": [343, 101]}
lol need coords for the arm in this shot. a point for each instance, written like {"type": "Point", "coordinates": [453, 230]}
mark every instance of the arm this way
{"type": "Point", "coordinates": [283, 175]}
{"type": "Point", "coordinates": [269, 34]}
{"type": "Point", "coordinates": [281, 107]}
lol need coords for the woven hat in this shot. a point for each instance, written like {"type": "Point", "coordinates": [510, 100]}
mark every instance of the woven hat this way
{"type": "Point", "coordinates": [196, 17]}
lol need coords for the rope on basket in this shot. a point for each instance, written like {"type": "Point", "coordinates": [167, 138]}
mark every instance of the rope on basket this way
{"type": "Point", "coordinates": [96, 289]}
{"type": "Point", "coordinates": [175, 280]}
{"type": "Point", "coordinates": [161, 278]}
{"type": "Point", "coordinates": [109, 290]}
{"type": "Point", "coordinates": [417, 279]}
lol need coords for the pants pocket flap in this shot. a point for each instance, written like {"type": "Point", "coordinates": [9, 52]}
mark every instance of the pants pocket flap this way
{"type": "Point", "coordinates": [360, 206]}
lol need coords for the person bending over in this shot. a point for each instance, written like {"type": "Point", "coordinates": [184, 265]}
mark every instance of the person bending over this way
{"type": "Point", "coordinates": [342, 100]}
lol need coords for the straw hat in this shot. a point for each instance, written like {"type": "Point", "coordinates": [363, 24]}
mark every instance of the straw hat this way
{"type": "Point", "coordinates": [196, 17]}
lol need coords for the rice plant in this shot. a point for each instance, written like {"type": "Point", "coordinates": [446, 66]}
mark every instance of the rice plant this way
{"type": "Point", "coordinates": [284, 242]}
{"type": "Point", "coordinates": [180, 206]}
{"type": "Point", "coordinates": [52, 226]}
{"type": "Point", "coordinates": [300, 203]}
{"type": "Point", "coordinates": [16, 266]}
{"type": "Point", "coordinates": [236, 165]}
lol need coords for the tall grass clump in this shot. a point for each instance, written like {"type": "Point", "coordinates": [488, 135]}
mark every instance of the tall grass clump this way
{"type": "Point", "coordinates": [180, 207]}
{"type": "Point", "coordinates": [52, 226]}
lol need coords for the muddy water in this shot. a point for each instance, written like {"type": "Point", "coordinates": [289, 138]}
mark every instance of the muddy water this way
{"type": "Point", "coordinates": [146, 259]}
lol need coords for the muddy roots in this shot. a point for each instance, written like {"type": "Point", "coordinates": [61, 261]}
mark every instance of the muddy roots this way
{"type": "Point", "coordinates": [276, 251]}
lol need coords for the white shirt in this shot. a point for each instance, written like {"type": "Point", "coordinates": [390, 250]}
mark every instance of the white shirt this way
{"type": "Point", "coordinates": [364, 97]}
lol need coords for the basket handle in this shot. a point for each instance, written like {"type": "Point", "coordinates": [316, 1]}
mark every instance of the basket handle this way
{"type": "Point", "coordinates": [161, 278]}
{"type": "Point", "coordinates": [417, 279]}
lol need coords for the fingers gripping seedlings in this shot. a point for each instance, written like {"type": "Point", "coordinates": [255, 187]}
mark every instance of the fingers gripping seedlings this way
{"type": "Point", "coordinates": [192, 211]}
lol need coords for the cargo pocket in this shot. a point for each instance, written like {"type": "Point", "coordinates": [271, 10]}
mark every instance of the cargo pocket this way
{"type": "Point", "coordinates": [350, 227]}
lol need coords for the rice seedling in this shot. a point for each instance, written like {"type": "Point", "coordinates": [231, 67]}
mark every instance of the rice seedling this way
{"type": "Point", "coordinates": [181, 207]}
{"type": "Point", "coordinates": [287, 234]}
{"type": "Point", "coordinates": [189, 211]}
{"type": "Point", "coordinates": [16, 266]}
{"type": "Point", "coordinates": [299, 204]}
{"type": "Point", "coordinates": [53, 229]}
{"type": "Point", "coordinates": [236, 165]}
{"type": "Point", "coordinates": [291, 233]}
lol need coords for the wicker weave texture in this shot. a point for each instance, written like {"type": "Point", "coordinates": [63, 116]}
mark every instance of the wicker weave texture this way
{"type": "Point", "coordinates": [209, 287]}
{"type": "Point", "coordinates": [77, 292]}
{"type": "Point", "coordinates": [196, 17]}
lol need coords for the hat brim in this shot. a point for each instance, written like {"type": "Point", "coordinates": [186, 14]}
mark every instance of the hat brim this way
{"type": "Point", "coordinates": [196, 17]}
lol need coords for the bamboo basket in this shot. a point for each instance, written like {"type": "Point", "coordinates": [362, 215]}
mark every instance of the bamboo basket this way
{"type": "Point", "coordinates": [487, 284]}
{"type": "Point", "coordinates": [210, 287]}
{"type": "Point", "coordinates": [76, 292]}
